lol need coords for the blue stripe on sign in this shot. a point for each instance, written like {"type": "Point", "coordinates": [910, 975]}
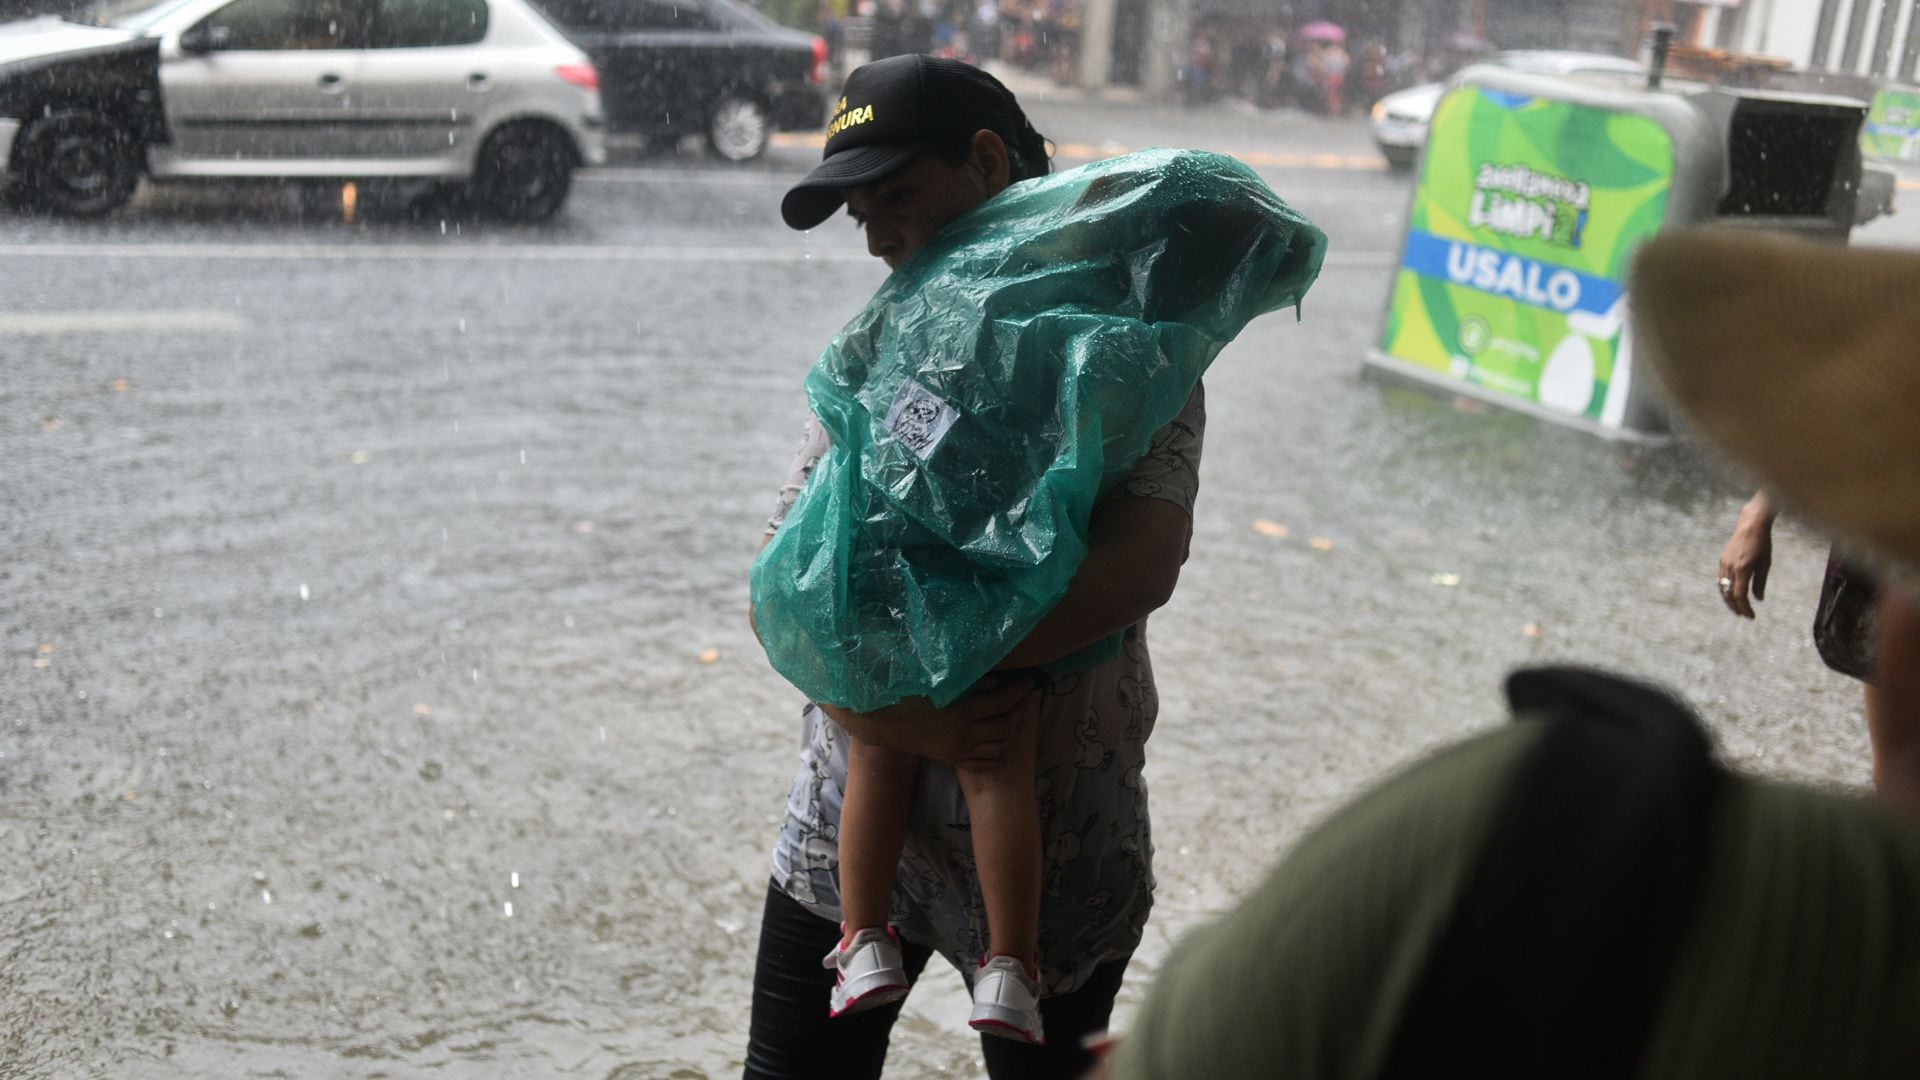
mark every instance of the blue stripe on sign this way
{"type": "Point", "coordinates": [1507, 100]}
{"type": "Point", "coordinates": [1516, 277]}
{"type": "Point", "coordinates": [1903, 131]}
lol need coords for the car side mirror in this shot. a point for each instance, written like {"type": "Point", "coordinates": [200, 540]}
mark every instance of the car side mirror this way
{"type": "Point", "coordinates": [205, 39]}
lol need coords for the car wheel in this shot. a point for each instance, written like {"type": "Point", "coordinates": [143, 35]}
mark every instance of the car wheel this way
{"type": "Point", "coordinates": [738, 129]}
{"type": "Point", "coordinates": [76, 162]}
{"type": "Point", "coordinates": [524, 173]}
{"type": "Point", "coordinates": [1400, 159]}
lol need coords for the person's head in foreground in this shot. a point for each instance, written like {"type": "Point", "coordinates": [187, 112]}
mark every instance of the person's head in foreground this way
{"type": "Point", "coordinates": [1587, 892]}
{"type": "Point", "coordinates": [915, 142]}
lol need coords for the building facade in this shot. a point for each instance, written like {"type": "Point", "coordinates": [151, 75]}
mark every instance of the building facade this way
{"type": "Point", "coordinates": [1875, 39]}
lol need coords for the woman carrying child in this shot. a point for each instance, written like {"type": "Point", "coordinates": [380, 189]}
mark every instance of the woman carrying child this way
{"type": "Point", "coordinates": [1008, 829]}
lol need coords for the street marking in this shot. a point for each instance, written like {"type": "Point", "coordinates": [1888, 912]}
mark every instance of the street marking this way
{"type": "Point", "coordinates": [427, 253]}
{"type": "Point", "coordinates": [528, 253]}
{"type": "Point", "coordinates": [47, 324]}
{"type": "Point", "coordinates": [1085, 152]}
{"type": "Point", "coordinates": [1910, 185]}
{"type": "Point", "coordinates": [619, 173]}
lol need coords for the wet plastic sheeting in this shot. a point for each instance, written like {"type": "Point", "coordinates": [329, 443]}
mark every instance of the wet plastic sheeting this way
{"type": "Point", "coordinates": [998, 382]}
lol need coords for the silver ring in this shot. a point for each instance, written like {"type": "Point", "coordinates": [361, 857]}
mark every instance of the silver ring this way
{"type": "Point", "coordinates": [1726, 584]}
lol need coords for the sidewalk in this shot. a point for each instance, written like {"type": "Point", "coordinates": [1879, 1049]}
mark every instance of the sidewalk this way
{"type": "Point", "coordinates": [1031, 86]}
{"type": "Point", "coordinates": [1086, 125]}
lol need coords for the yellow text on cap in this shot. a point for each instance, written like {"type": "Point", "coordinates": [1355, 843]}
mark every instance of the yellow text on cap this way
{"type": "Point", "coordinates": [846, 118]}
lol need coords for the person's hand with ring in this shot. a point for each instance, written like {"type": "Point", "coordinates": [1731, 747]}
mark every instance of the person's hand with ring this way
{"type": "Point", "coordinates": [1748, 556]}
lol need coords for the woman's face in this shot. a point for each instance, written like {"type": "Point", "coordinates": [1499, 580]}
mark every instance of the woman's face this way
{"type": "Point", "coordinates": [903, 211]}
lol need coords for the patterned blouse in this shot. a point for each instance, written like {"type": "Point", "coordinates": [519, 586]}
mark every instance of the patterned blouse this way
{"type": "Point", "coordinates": [1093, 800]}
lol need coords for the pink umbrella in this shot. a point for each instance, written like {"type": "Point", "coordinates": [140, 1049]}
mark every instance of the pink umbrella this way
{"type": "Point", "coordinates": [1322, 30]}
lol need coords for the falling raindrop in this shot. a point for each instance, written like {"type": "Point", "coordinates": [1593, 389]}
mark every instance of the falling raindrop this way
{"type": "Point", "coordinates": [509, 907]}
{"type": "Point", "coordinates": [514, 878]}
{"type": "Point", "coordinates": [304, 594]}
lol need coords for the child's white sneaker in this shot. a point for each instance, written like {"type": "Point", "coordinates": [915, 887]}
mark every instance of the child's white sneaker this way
{"type": "Point", "coordinates": [871, 972]}
{"type": "Point", "coordinates": [1006, 1001]}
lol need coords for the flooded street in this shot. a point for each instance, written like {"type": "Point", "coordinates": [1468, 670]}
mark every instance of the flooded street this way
{"type": "Point", "coordinates": [376, 692]}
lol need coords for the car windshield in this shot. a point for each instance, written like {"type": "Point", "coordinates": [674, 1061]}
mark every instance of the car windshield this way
{"type": "Point", "coordinates": [740, 14]}
{"type": "Point", "coordinates": [136, 15]}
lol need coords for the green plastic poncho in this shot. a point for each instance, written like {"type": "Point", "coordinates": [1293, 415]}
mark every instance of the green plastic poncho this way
{"type": "Point", "coordinates": [997, 384]}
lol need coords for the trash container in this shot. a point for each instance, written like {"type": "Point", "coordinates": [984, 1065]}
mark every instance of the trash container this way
{"type": "Point", "coordinates": [1534, 192]}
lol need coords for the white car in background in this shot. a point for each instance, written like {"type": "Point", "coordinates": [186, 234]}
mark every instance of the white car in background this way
{"type": "Point", "coordinates": [484, 94]}
{"type": "Point", "coordinates": [1400, 119]}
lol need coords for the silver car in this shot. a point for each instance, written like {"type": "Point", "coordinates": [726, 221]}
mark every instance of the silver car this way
{"type": "Point", "coordinates": [1400, 119]}
{"type": "Point", "coordinates": [486, 94]}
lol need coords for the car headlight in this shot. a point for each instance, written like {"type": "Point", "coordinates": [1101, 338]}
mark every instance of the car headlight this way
{"type": "Point", "coordinates": [1380, 110]}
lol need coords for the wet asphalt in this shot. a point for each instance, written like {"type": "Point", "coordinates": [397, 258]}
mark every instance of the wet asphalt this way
{"type": "Point", "coordinates": [376, 696]}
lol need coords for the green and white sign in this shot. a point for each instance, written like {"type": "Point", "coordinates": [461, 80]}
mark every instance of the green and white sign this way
{"type": "Point", "coordinates": [1893, 125]}
{"type": "Point", "coordinates": [1513, 278]}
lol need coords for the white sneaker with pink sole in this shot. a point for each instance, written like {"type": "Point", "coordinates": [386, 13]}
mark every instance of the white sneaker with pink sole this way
{"type": "Point", "coordinates": [1006, 1002]}
{"type": "Point", "coordinates": [871, 972]}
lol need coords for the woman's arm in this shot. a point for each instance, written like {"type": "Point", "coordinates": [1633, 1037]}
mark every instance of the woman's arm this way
{"type": "Point", "coordinates": [814, 444]}
{"type": "Point", "coordinates": [1748, 556]}
{"type": "Point", "coordinates": [1134, 551]}
{"type": "Point", "coordinates": [972, 729]}
{"type": "Point", "coordinates": [1135, 547]}
{"type": "Point", "coordinates": [752, 623]}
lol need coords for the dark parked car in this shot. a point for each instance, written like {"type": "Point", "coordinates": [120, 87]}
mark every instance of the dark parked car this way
{"type": "Point", "coordinates": [699, 67]}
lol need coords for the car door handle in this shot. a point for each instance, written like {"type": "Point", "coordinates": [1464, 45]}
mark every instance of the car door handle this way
{"type": "Point", "coordinates": [331, 83]}
{"type": "Point", "coordinates": [477, 81]}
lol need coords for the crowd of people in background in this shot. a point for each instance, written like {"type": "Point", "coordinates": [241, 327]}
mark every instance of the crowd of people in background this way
{"type": "Point", "coordinates": [1040, 36]}
{"type": "Point", "coordinates": [1256, 60]}
{"type": "Point", "coordinates": [1276, 66]}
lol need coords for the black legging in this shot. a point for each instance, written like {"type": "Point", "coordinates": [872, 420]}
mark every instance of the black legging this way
{"type": "Point", "coordinates": [792, 1037]}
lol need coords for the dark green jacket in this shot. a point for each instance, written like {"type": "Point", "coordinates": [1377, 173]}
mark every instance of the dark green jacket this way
{"type": "Point", "coordinates": [1798, 954]}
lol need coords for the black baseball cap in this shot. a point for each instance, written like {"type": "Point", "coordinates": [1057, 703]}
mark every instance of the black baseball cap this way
{"type": "Point", "coordinates": [889, 111]}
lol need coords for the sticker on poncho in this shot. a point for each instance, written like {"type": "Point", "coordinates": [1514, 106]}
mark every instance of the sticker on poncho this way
{"type": "Point", "coordinates": [920, 419]}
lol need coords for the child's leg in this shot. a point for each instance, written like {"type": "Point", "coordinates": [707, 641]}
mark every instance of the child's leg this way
{"type": "Point", "coordinates": [873, 829]}
{"type": "Point", "coordinates": [1005, 810]}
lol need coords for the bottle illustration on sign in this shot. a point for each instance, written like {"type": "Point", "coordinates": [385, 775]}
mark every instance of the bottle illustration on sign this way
{"type": "Point", "coordinates": [1567, 380]}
